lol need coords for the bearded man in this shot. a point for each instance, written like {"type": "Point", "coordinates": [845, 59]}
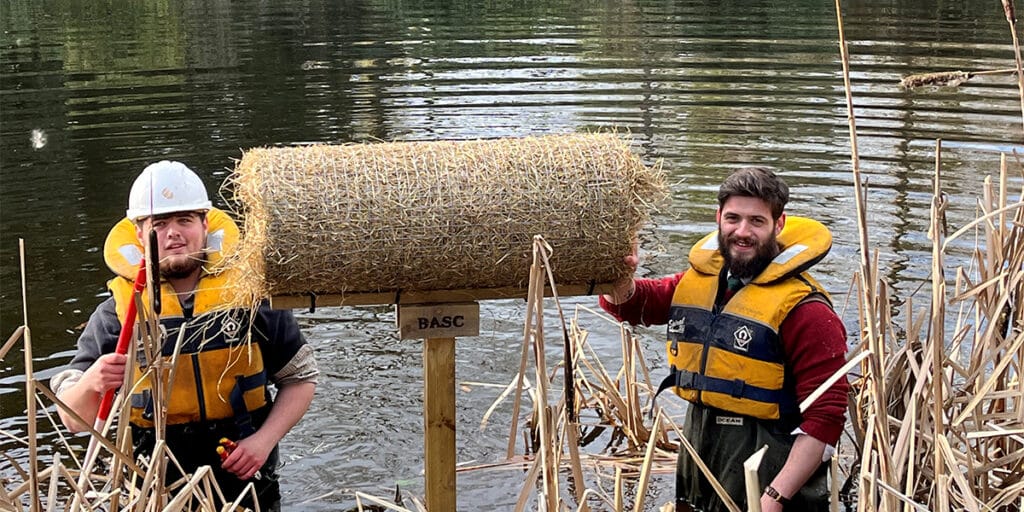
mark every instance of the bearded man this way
{"type": "Point", "coordinates": [750, 336]}
{"type": "Point", "coordinates": [226, 354]}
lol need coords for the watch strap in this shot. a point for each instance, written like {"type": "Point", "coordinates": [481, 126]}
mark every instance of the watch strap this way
{"type": "Point", "coordinates": [774, 494]}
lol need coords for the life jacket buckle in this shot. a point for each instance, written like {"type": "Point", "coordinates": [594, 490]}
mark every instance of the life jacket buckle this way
{"type": "Point", "coordinates": [738, 387]}
{"type": "Point", "coordinates": [686, 380]}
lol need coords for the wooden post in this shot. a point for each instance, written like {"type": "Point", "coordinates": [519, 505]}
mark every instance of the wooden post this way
{"type": "Point", "coordinates": [437, 325]}
{"type": "Point", "coordinates": [439, 422]}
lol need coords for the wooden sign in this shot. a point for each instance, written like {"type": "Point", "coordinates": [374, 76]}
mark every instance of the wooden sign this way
{"type": "Point", "coordinates": [422, 321]}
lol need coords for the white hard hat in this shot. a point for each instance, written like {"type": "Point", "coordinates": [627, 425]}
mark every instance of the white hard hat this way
{"type": "Point", "coordinates": [166, 187]}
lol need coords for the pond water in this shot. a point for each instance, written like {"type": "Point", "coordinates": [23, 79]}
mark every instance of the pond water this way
{"type": "Point", "coordinates": [91, 93]}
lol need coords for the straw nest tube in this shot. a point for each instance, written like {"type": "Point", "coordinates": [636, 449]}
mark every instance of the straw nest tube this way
{"type": "Point", "coordinates": [439, 215]}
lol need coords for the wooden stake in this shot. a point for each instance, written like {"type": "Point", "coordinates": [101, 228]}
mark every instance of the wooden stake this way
{"type": "Point", "coordinates": [752, 483]}
{"type": "Point", "coordinates": [439, 422]}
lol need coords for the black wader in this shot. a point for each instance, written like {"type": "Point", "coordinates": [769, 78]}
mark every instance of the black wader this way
{"type": "Point", "coordinates": [724, 440]}
{"type": "Point", "coordinates": [195, 445]}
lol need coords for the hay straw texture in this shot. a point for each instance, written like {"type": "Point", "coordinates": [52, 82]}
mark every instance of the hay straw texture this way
{"type": "Point", "coordinates": [439, 215]}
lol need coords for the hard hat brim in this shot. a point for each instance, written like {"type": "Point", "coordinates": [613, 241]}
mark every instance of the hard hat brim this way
{"type": "Point", "coordinates": [138, 213]}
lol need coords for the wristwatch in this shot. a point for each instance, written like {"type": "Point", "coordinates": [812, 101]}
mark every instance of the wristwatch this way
{"type": "Point", "coordinates": [774, 494]}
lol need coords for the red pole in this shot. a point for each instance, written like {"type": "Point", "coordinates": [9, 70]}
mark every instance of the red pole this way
{"type": "Point", "coordinates": [123, 339]}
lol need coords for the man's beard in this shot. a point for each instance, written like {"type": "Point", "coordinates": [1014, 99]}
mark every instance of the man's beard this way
{"type": "Point", "coordinates": [180, 268]}
{"type": "Point", "coordinates": [764, 253]}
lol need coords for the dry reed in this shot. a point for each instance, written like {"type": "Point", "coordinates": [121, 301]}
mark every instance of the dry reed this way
{"type": "Point", "coordinates": [950, 417]}
{"type": "Point", "coordinates": [438, 215]}
{"type": "Point", "coordinates": [937, 418]}
{"type": "Point", "coordinates": [125, 484]}
{"type": "Point", "coordinates": [614, 406]}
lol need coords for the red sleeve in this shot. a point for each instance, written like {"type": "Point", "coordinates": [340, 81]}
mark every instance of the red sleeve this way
{"type": "Point", "coordinates": [814, 340]}
{"type": "Point", "coordinates": [649, 304]}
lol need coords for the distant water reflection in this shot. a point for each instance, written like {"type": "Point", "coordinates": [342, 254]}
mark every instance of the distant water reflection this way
{"type": "Point", "coordinates": [89, 95]}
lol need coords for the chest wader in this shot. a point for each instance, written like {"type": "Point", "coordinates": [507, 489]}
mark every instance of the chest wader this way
{"type": "Point", "coordinates": [219, 390]}
{"type": "Point", "coordinates": [725, 440]}
{"type": "Point", "coordinates": [195, 445]}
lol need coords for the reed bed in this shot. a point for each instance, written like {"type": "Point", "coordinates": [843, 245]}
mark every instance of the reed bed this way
{"type": "Point", "coordinates": [938, 416]}
{"type": "Point", "coordinates": [937, 419]}
{"type": "Point", "coordinates": [926, 436]}
{"type": "Point", "coordinates": [122, 483]}
{"type": "Point", "coordinates": [616, 406]}
{"type": "Point", "coordinates": [438, 215]}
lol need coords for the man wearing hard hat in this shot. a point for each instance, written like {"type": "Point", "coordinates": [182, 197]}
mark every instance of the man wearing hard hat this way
{"type": "Point", "coordinates": [219, 410]}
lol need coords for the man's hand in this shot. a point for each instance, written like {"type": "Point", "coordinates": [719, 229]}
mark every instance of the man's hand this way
{"type": "Point", "coordinates": [84, 396]}
{"type": "Point", "coordinates": [247, 456]}
{"type": "Point", "coordinates": [770, 505]}
{"type": "Point", "coordinates": [106, 373]}
{"type": "Point", "coordinates": [623, 288]}
{"type": "Point", "coordinates": [250, 454]}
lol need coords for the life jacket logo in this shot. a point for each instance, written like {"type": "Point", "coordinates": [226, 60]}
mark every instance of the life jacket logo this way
{"type": "Point", "coordinates": [741, 338]}
{"type": "Point", "coordinates": [677, 326]}
{"type": "Point", "coordinates": [231, 327]}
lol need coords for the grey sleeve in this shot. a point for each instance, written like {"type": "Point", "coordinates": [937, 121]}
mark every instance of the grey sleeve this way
{"type": "Point", "coordinates": [99, 336]}
{"type": "Point", "coordinates": [286, 355]}
{"type": "Point", "coordinates": [301, 368]}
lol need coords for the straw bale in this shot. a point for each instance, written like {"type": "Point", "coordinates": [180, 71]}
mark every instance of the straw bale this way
{"type": "Point", "coordinates": [439, 215]}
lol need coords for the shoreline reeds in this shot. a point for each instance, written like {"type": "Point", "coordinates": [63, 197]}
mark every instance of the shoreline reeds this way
{"type": "Point", "coordinates": [935, 430]}
{"type": "Point", "coordinates": [125, 484]}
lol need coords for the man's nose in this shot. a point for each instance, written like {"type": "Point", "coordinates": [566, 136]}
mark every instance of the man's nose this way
{"type": "Point", "coordinates": [743, 228]}
{"type": "Point", "coordinates": [172, 232]}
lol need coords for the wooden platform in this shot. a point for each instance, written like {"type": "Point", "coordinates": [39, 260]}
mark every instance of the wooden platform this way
{"type": "Point", "coordinates": [398, 297]}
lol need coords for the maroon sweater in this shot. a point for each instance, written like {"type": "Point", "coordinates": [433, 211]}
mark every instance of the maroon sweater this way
{"type": "Point", "coordinates": [813, 339]}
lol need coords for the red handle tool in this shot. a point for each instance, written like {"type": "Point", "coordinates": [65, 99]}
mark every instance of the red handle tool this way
{"type": "Point", "coordinates": [124, 338]}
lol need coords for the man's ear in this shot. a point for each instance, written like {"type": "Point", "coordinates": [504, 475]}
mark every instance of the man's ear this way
{"type": "Point", "coordinates": [138, 233]}
{"type": "Point", "coordinates": [718, 216]}
{"type": "Point", "coordinates": [780, 223]}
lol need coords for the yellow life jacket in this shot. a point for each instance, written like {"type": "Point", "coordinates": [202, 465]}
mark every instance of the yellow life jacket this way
{"type": "Point", "coordinates": [732, 358]}
{"type": "Point", "coordinates": [218, 373]}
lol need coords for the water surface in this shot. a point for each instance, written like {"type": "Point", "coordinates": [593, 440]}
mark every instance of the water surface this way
{"type": "Point", "coordinates": [92, 93]}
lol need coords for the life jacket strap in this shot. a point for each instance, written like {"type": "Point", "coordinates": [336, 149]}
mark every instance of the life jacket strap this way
{"type": "Point", "coordinates": [144, 401]}
{"type": "Point", "coordinates": [668, 382]}
{"type": "Point", "coordinates": [237, 399]}
{"type": "Point", "coordinates": [734, 388]}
